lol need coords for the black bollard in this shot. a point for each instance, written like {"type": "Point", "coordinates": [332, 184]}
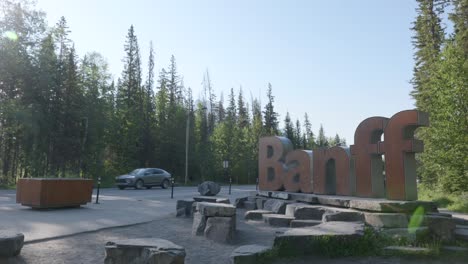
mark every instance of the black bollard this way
{"type": "Point", "coordinates": [256, 185]}
{"type": "Point", "coordinates": [98, 187]}
{"type": "Point", "coordinates": [230, 182]}
{"type": "Point", "coordinates": [172, 188]}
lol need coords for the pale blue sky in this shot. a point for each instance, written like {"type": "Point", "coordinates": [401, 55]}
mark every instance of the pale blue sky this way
{"type": "Point", "coordinates": [340, 61]}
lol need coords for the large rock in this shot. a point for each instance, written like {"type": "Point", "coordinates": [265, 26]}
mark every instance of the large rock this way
{"type": "Point", "coordinates": [304, 197]}
{"type": "Point", "coordinates": [277, 220]}
{"type": "Point", "coordinates": [248, 254]}
{"type": "Point", "coordinates": [256, 215]}
{"type": "Point", "coordinates": [144, 251]}
{"type": "Point", "coordinates": [410, 234]}
{"type": "Point", "coordinates": [260, 201]}
{"type": "Point", "coordinates": [11, 243]}
{"type": "Point", "coordinates": [250, 205]}
{"type": "Point", "coordinates": [461, 234]}
{"type": "Point", "coordinates": [441, 227]}
{"type": "Point", "coordinates": [338, 201]}
{"type": "Point", "coordinates": [210, 199]}
{"type": "Point", "coordinates": [303, 240]}
{"type": "Point", "coordinates": [386, 206]}
{"type": "Point", "coordinates": [280, 195]}
{"type": "Point", "coordinates": [184, 207]}
{"type": "Point", "coordinates": [199, 224]}
{"type": "Point", "coordinates": [220, 229]}
{"type": "Point", "coordinates": [213, 209]}
{"type": "Point", "coordinates": [276, 206]}
{"type": "Point", "coordinates": [291, 207]}
{"type": "Point", "coordinates": [344, 216]}
{"type": "Point", "coordinates": [209, 188]}
{"type": "Point", "coordinates": [386, 220]}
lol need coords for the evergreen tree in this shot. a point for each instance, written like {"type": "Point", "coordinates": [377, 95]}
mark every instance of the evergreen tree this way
{"type": "Point", "coordinates": [321, 138]}
{"type": "Point", "coordinates": [271, 117]}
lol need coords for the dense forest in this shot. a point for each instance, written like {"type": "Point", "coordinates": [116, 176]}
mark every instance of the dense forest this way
{"type": "Point", "coordinates": [62, 115]}
{"type": "Point", "coordinates": [440, 82]}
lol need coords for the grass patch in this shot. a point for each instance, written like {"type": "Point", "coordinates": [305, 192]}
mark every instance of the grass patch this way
{"type": "Point", "coordinates": [453, 202]}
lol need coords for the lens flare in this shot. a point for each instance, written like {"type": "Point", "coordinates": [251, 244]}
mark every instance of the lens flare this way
{"type": "Point", "coordinates": [416, 219]}
{"type": "Point", "coordinates": [10, 35]}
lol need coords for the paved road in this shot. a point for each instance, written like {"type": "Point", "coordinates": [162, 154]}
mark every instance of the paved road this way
{"type": "Point", "coordinates": [116, 208]}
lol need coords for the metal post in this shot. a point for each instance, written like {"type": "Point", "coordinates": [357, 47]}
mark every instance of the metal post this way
{"type": "Point", "coordinates": [186, 147]}
{"type": "Point", "coordinates": [172, 187]}
{"type": "Point", "coordinates": [98, 187]}
{"type": "Point", "coordinates": [230, 182]}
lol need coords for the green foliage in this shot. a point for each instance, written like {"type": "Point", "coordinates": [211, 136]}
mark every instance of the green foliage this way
{"type": "Point", "coordinates": [457, 202]}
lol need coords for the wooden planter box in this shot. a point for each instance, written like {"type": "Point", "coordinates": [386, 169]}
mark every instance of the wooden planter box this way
{"type": "Point", "coordinates": [53, 192]}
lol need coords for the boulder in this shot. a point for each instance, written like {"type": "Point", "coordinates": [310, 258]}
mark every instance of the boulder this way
{"type": "Point", "coordinates": [264, 193]}
{"type": "Point", "coordinates": [11, 243]}
{"type": "Point", "coordinates": [276, 206]}
{"type": "Point", "coordinates": [386, 220]}
{"type": "Point", "coordinates": [144, 250]}
{"type": "Point", "coordinates": [291, 207]}
{"type": "Point", "coordinates": [256, 215]}
{"type": "Point", "coordinates": [184, 207]}
{"type": "Point", "coordinates": [210, 199]}
{"type": "Point", "coordinates": [304, 223]}
{"type": "Point", "coordinates": [209, 188]}
{"type": "Point", "coordinates": [199, 223]}
{"type": "Point", "coordinates": [248, 254]}
{"type": "Point", "coordinates": [214, 209]}
{"type": "Point", "coordinates": [280, 220]}
{"type": "Point", "coordinates": [220, 229]}
{"type": "Point", "coordinates": [344, 216]}
{"type": "Point", "coordinates": [441, 227]}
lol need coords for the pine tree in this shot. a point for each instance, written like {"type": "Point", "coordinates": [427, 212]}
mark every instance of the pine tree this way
{"type": "Point", "coordinates": [271, 117]}
{"type": "Point", "coordinates": [289, 128]}
{"type": "Point", "coordinates": [321, 138]}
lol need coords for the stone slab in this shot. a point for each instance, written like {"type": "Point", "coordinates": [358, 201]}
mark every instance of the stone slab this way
{"type": "Point", "coordinates": [303, 239]}
{"type": "Point", "coordinates": [220, 229]}
{"type": "Point", "coordinates": [386, 220]}
{"type": "Point", "coordinates": [144, 250]}
{"type": "Point", "coordinates": [215, 209]}
{"type": "Point", "coordinates": [212, 199]}
{"type": "Point", "coordinates": [248, 254]}
{"type": "Point", "coordinates": [279, 220]}
{"type": "Point", "coordinates": [386, 206]}
{"type": "Point", "coordinates": [256, 215]}
{"type": "Point", "coordinates": [276, 206]}
{"type": "Point", "coordinates": [260, 201]}
{"type": "Point", "coordinates": [290, 208]}
{"type": "Point", "coordinates": [264, 193]}
{"type": "Point", "coordinates": [280, 195]}
{"type": "Point", "coordinates": [338, 201]}
{"type": "Point", "coordinates": [441, 227]}
{"type": "Point", "coordinates": [304, 197]}
{"type": "Point", "coordinates": [392, 250]}
{"type": "Point", "coordinates": [184, 207]}
{"type": "Point", "coordinates": [250, 205]}
{"type": "Point", "coordinates": [461, 234]}
{"type": "Point", "coordinates": [304, 223]}
{"type": "Point", "coordinates": [455, 249]}
{"type": "Point", "coordinates": [410, 234]}
{"type": "Point", "coordinates": [11, 243]}
{"type": "Point", "coordinates": [199, 224]}
{"type": "Point", "coordinates": [239, 202]}
{"type": "Point", "coordinates": [309, 212]}
{"type": "Point", "coordinates": [344, 216]}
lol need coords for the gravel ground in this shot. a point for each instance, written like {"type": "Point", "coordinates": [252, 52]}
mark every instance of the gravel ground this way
{"type": "Point", "coordinates": [88, 248]}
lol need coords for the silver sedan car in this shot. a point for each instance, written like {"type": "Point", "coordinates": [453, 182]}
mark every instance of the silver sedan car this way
{"type": "Point", "coordinates": [144, 177]}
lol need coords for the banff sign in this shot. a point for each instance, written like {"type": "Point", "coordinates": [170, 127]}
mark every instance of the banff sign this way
{"type": "Point", "coordinates": [358, 170]}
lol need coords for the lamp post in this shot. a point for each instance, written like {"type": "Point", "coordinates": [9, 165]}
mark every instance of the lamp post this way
{"type": "Point", "coordinates": [186, 147]}
{"type": "Point", "coordinates": [226, 166]}
{"type": "Point", "coordinates": [98, 187]}
{"type": "Point", "coordinates": [172, 187]}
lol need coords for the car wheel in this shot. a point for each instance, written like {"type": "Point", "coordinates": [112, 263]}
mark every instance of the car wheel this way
{"type": "Point", "coordinates": [148, 187]}
{"type": "Point", "coordinates": [139, 184]}
{"type": "Point", "coordinates": [121, 187]}
{"type": "Point", "coordinates": [165, 184]}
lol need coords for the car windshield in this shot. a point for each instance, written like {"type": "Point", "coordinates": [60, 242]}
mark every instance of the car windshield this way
{"type": "Point", "coordinates": [137, 172]}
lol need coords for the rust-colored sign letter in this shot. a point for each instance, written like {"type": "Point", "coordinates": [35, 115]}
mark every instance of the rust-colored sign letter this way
{"type": "Point", "coordinates": [271, 158]}
{"type": "Point", "coordinates": [299, 174]}
{"type": "Point", "coordinates": [400, 146]}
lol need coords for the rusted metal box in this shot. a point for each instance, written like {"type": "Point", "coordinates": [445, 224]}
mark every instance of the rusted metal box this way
{"type": "Point", "coordinates": [53, 192]}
